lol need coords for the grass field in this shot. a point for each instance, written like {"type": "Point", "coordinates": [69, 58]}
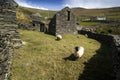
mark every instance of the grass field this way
{"type": "Point", "coordinates": [108, 30]}
{"type": "Point", "coordinates": [43, 58]}
{"type": "Point", "coordinates": [89, 23]}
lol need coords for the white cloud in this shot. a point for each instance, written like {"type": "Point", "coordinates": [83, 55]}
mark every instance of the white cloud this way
{"type": "Point", "coordinates": [92, 3]}
{"type": "Point", "coordinates": [66, 5]}
{"type": "Point", "coordinates": [26, 3]}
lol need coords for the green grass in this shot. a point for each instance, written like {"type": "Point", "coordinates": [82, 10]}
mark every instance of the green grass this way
{"type": "Point", "coordinates": [108, 30]}
{"type": "Point", "coordinates": [89, 23]}
{"type": "Point", "coordinates": [42, 57]}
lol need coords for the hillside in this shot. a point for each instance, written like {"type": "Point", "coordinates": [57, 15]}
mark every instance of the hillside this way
{"type": "Point", "coordinates": [44, 58]}
{"type": "Point", "coordinates": [23, 16]}
{"type": "Point", "coordinates": [23, 13]}
{"type": "Point", "coordinates": [111, 13]}
{"type": "Point", "coordinates": [108, 12]}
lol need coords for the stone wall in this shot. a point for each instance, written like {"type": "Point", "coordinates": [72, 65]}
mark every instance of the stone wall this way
{"type": "Point", "coordinates": [114, 42]}
{"type": "Point", "coordinates": [8, 22]}
{"type": "Point", "coordinates": [63, 22]}
{"type": "Point", "coordinates": [6, 53]}
{"type": "Point", "coordinates": [9, 36]}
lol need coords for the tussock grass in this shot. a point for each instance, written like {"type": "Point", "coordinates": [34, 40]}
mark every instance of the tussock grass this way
{"type": "Point", "coordinates": [43, 57]}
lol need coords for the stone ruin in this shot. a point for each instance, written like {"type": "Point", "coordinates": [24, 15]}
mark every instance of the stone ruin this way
{"type": "Point", "coordinates": [63, 22]}
{"type": "Point", "coordinates": [38, 22]}
{"type": "Point", "coordinates": [9, 36]}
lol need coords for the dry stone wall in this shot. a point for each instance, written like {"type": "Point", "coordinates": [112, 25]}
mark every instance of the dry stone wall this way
{"type": "Point", "coordinates": [8, 22]}
{"type": "Point", "coordinates": [9, 36]}
{"type": "Point", "coordinates": [114, 42]}
{"type": "Point", "coordinates": [6, 53]}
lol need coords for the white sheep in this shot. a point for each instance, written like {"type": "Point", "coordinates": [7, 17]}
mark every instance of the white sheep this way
{"type": "Point", "coordinates": [59, 37]}
{"type": "Point", "coordinates": [79, 51]}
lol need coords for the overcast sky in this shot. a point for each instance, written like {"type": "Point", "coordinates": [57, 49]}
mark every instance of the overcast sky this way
{"type": "Point", "coordinates": [59, 4]}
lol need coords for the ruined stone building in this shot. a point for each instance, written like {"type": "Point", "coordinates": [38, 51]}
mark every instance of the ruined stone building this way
{"type": "Point", "coordinates": [38, 22]}
{"type": "Point", "coordinates": [63, 22]}
{"type": "Point", "coordinates": [9, 36]}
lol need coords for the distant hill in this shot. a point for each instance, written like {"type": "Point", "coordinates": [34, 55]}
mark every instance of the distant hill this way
{"type": "Point", "coordinates": [108, 12]}
{"type": "Point", "coordinates": [23, 13]}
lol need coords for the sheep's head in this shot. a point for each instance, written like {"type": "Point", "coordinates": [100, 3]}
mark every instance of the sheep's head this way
{"type": "Point", "coordinates": [79, 51]}
{"type": "Point", "coordinates": [76, 48]}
